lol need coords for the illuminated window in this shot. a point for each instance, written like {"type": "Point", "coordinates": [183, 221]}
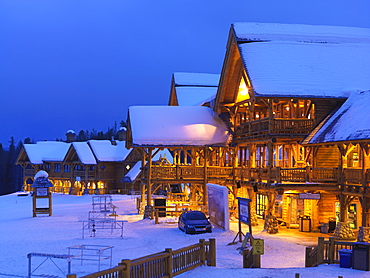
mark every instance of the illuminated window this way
{"type": "Point", "coordinates": [243, 93]}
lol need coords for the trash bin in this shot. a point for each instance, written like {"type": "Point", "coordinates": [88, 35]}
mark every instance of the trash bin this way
{"type": "Point", "coordinates": [324, 228]}
{"type": "Point", "coordinates": [345, 258]}
{"type": "Point", "coordinates": [361, 256]}
{"type": "Point", "coordinates": [332, 225]}
{"type": "Point", "coordinates": [305, 224]}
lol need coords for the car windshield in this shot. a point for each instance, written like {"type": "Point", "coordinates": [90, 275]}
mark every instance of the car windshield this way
{"type": "Point", "coordinates": [195, 216]}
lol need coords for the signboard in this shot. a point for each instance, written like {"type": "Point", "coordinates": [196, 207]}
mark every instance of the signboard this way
{"type": "Point", "coordinates": [41, 191]}
{"type": "Point", "coordinates": [243, 207]}
{"type": "Point", "coordinates": [258, 246]}
{"type": "Point", "coordinates": [218, 205]}
{"type": "Point", "coordinates": [312, 196]}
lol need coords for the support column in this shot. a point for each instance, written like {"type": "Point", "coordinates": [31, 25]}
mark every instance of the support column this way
{"type": "Point", "coordinates": [205, 177]}
{"type": "Point", "coordinates": [271, 223]}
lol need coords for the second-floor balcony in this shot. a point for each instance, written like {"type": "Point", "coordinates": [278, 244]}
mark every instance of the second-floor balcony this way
{"type": "Point", "coordinates": [278, 175]}
{"type": "Point", "coordinates": [274, 126]}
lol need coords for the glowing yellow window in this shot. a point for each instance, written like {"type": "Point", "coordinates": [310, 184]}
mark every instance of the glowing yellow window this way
{"type": "Point", "coordinates": [243, 93]}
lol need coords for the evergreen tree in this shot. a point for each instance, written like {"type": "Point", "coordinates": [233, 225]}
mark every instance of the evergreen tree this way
{"type": "Point", "coordinates": [3, 156]}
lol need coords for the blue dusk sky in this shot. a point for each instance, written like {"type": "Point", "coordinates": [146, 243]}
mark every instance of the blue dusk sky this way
{"type": "Point", "coordinates": [79, 64]}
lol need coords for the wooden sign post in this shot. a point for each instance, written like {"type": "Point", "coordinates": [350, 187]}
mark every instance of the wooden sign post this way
{"type": "Point", "coordinates": [42, 191]}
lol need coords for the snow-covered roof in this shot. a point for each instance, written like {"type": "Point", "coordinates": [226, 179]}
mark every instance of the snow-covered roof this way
{"type": "Point", "coordinates": [252, 31]}
{"type": "Point", "coordinates": [307, 69]}
{"type": "Point", "coordinates": [189, 96]}
{"type": "Point", "coordinates": [133, 173]}
{"type": "Point", "coordinates": [104, 150]}
{"type": "Point", "coordinates": [46, 151]}
{"type": "Point", "coordinates": [350, 122]}
{"type": "Point", "coordinates": [88, 152]}
{"type": "Point", "coordinates": [196, 79]}
{"type": "Point", "coordinates": [84, 152]}
{"type": "Point", "coordinates": [176, 125]}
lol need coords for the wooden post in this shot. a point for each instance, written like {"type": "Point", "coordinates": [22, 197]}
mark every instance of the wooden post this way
{"type": "Point", "coordinates": [206, 157]}
{"type": "Point", "coordinates": [251, 261]}
{"type": "Point", "coordinates": [50, 202]}
{"type": "Point", "coordinates": [256, 261]}
{"type": "Point", "coordinates": [270, 162]}
{"type": "Point", "coordinates": [320, 251]}
{"type": "Point", "coordinates": [71, 276]}
{"type": "Point", "coordinates": [278, 174]}
{"type": "Point", "coordinates": [308, 259]}
{"type": "Point", "coordinates": [149, 178]}
{"type": "Point", "coordinates": [152, 213]}
{"type": "Point", "coordinates": [156, 216]}
{"type": "Point", "coordinates": [212, 252]}
{"type": "Point", "coordinates": [202, 252]}
{"type": "Point", "coordinates": [169, 263]}
{"type": "Point", "coordinates": [331, 250]}
{"type": "Point", "coordinates": [246, 259]}
{"type": "Point", "coordinates": [126, 270]}
{"type": "Point", "coordinates": [297, 275]}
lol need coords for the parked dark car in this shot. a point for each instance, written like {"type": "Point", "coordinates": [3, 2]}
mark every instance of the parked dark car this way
{"type": "Point", "coordinates": [192, 222]}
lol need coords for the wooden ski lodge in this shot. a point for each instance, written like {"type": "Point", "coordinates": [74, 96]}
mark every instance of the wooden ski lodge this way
{"type": "Point", "coordinates": [285, 125]}
{"type": "Point", "coordinates": [289, 129]}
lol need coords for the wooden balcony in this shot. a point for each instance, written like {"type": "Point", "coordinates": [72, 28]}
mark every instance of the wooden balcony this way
{"type": "Point", "coordinates": [353, 178]}
{"type": "Point", "coordinates": [275, 126]}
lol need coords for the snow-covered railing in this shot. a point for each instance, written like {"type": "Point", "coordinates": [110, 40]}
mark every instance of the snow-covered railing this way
{"type": "Point", "coordinates": [168, 263]}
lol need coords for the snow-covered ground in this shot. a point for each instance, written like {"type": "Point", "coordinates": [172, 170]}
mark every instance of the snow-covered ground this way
{"type": "Point", "coordinates": [20, 234]}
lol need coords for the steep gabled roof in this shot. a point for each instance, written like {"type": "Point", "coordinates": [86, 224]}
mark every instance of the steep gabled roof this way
{"type": "Point", "coordinates": [89, 153]}
{"type": "Point", "coordinates": [351, 122]}
{"type": "Point", "coordinates": [253, 31]}
{"type": "Point", "coordinates": [286, 60]}
{"type": "Point", "coordinates": [105, 150]}
{"type": "Point", "coordinates": [196, 79]}
{"type": "Point", "coordinates": [52, 151]}
{"type": "Point", "coordinates": [193, 88]}
{"type": "Point", "coordinates": [195, 96]}
{"type": "Point", "coordinates": [175, 126]}
{"type": "Point", "coordinates": [84, 153]}
{"type": "Point", "coordinates": [311, 70]}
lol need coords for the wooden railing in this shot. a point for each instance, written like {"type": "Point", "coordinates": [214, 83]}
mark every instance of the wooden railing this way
{"type": "Point", "coordinates": [353, 175]}
{"type": "Point", "coordinates": [326, 251]}
{"type": "Point", "coordinates": [276, 174]}
{"type": "Point", "coordinates": [276, 126]}
{"type": "Point", "coordinates": [164, 264]}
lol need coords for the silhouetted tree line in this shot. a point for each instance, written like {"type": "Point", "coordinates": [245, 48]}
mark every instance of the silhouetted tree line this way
{"type": "Point", "coordinates": [11, 175]}
{"type": "Point", "coordinates": [111, 133]}
{"type": "Point", "coordinates": [11, 179]}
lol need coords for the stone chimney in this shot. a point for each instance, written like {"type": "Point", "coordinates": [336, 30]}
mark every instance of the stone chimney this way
{"type": "Point", "coordinates": [71, 136]}
{"type": "Point", "coordinates": [122, 134]}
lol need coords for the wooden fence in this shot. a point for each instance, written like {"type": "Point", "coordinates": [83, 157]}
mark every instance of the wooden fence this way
{"type": "Point", "coordinates": [327, 251]}
{"type": "Point", "coordinates": [164, 264]}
